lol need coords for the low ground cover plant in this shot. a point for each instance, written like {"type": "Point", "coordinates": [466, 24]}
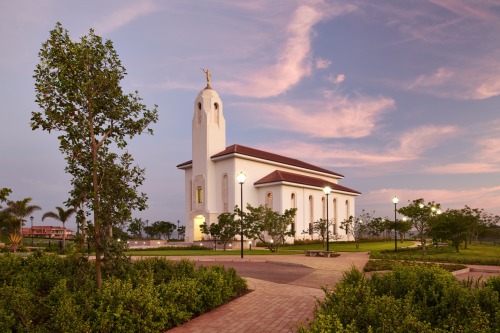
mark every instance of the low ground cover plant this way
{"type": "Point", "coordinates": [408, 299]}
{"type": "Point", "coordinates": [387, 265]}
{"type": "Point", "coordinates": [47, 293]}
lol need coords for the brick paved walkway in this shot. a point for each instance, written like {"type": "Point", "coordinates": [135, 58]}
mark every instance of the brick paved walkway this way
{"type": "Point", "coordinates": [273, 307]}
{"type": "Point", "coordinates": [277, 307]}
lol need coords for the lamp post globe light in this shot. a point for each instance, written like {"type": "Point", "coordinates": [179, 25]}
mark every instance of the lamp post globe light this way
{"type": "Point", "coordinates": [327, 191]}
{"type": "Point", "coordinates": [31, 218]}
{"type": "Point", "coordinates": [241, 180]}
{"type": "Point", "coordinates": [395, 201]}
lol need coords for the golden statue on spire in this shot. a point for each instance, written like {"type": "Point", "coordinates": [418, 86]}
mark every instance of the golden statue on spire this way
{"type": "Point", "coordinates": [207, 74]}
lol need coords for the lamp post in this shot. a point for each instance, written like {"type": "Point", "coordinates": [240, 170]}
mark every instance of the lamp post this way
{"type": "Point", "coordinates": [178, 237]}
{"type": "Point", "coordinates": [31, 218]}
{"type": "Point", "coordinates": [327, 191]}
{"type": "Point", "coordinates": [241, 180]}
{"type": "Point", "coordinates": [395, 201]}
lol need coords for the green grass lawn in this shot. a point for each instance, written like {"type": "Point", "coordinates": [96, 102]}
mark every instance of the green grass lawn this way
{"type": "Point", "coordinates": [474, 254]}
{"type": "Point", "coordinates": [350, 246]}
{"type": "Point", "coordinates": [182, 252]}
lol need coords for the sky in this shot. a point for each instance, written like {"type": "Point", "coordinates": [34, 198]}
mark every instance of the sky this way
{"type": "Point", "coordinates": [401, 97]}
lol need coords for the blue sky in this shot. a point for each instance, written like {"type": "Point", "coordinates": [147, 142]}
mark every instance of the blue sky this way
{"type": "Point", "coordinates": [400, 97]}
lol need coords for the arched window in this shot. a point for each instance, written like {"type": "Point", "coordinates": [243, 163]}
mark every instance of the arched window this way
{"type": "Point", "coordinates": [269, 200]}
{"type": "Point", "coordinates": [199, 195]}
{"type": "Point", "coordinates": [198, 113]}
{"type": "Point", "coordinates": [323, 204]}
{"type": "Point", "coordinates": [216, 113]}
{"type": "Point", "coordinates": [311, 214]}
{"type": "Point", "coordinates": [225, 193]}
{"type": "Point", "coordinates": [293, 204]}
{"type": "Point", "coordinates": [347, 214]}
{"type": "Point", "coordinates": [335, 220]}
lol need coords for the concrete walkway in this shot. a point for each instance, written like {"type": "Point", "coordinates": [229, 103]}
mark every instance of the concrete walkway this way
{"type": "Point", "coordinates": [274, 307]}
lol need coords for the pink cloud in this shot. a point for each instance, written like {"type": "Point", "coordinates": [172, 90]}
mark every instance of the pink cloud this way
{"type": "Point", "coordinates": [480, 197]}
{"type": "Point", "coordinates": [337, 117]}
{"type": "Point", "coordinates": [413, 143]}
{"type": "Point", "coordinates": [293, 62]}
{"type": "Point", "coordinates": [321, 63]}
{"type": "Point", "coordinates": [464, 168]}
{"type": "Point", "coordinates": [124, 16]}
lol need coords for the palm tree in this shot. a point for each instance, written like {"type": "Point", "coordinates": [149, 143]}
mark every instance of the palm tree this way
{"type": "Point", "coordinates": [21, 209]}
{"type": "Point", "coordinates": [61, 215]}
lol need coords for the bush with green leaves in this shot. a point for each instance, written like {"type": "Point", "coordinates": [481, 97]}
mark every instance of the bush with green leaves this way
{"type": "Point", "coordinates": [408, 299]}
{"type": "Point", "coordinates": [46, 293]}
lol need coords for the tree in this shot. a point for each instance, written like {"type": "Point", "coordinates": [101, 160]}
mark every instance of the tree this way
{"type": "Point", "coordinates": [354, 227]}
{"type": "Point", "coordinates": [420, 215]}
{"type": "Point", "coordinates": [270, 227]}
{"type": "Point", "coordinates": [453, 225]}
{"type": "Point", "coordinates": [21, 209]}
{"type": "Point", "coordinates": [136, 227]}
{"type": "Point", "coordinates": [403, 226]}
{"type": "Point", "coordinates": [62, 216]}
{"type": "Point", "coordinates": [166, 228]}
{"type": "Point", "coordinates": [181, 231]}
{"type": "Point", "coordinates": [319, 227]}
{"type": "Point", "coordinates": [78, 86]}
{"type": "Point", "coordinates": [4, 193]}
{"type": "Point", "coordinates": [225, 229]}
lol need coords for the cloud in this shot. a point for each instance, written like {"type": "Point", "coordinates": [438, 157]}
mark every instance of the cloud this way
{"type": "Point", "coordinates": [480, 197]}
{"type": "Point", "coordinates": [337, 117]}
{"type": "Point", "coordinates": [413, 143]}
{"type": "Point", "coordinates": [322, 63]}
{"type": "Point", "coordinates": [478, 79]}
{"type": "Point", "coordinates": [293, 62]}
{"type": "Point", "coordinates": [124, 16]}
{"type": "Point", "coordinates": [410, 147]}
{"type": "Point", "coordinates": [336, 79]}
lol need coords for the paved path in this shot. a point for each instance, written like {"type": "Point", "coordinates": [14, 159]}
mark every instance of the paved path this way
{"type": "Point", "coordinates": [284, 291]}
{"type": "Point", "coordinates": [271, 306]}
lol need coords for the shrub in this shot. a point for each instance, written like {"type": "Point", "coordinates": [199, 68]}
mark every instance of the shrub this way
{"type": "Point", "coordinates": [46, 293]}
{"type": "Point", "coordinates": [408, 299]}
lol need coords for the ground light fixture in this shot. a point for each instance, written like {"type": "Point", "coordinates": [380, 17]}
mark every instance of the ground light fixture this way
{"type": "Point", "coordinates": [241, 180]}
{"type": "Point", "coordinates": [327, 191]}
{"type": "Point", "coordinates": [395, 201]}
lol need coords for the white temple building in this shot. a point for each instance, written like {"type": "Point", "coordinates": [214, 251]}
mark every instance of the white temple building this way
{"type": "Point", "coordinates": [276, 181]}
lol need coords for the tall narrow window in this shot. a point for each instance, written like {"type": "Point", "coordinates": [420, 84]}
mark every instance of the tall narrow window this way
{"type": "Point", "coordinates": [199, 195]}
{"type": "Point", "coordinates": [269, 200]}
{"type": "Point", "coordinates": [335, 224]}
{"type": "Point", "coordinates": [198, 113]}
{"type": "Point", "coordinates": [216, 113]}
{"type": "Point", "coordinates": [311, 209]}
{"type": "Point", "coordinates": [225, 193]}
{"type": "Point", "coordinates": [323, 204]}
{"type": "Point", "coordinates": [347, 214]}
{"type": "Point", "coordinates": [293, 204]}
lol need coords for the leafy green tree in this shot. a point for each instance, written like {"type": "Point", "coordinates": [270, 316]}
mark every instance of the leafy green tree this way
{"type": "Point", "coordinates": [354, 227]}
{"type": "Point", "coordinates": [136, 227]}
{"type": "Point", "coordinates": [78, 86]}
{"type": "Point", "coordinates": [421, 215]}
{"type": "Point", "coordinates": [4, 193]}
{"type": "Point", "coordinates": [269, 226]}
{"type": "Point", "coordinates": [20, 210]}
{"type": "Point", "coordinates": [403, 226]}
{"type": "Point", "coordinates": [61, 216]}
{"type": "Point", "coordinates": [225, 230]}
{"type": "Point", "coordinates": [165, 228]}
{"type": "Point", "coordinates": [319, 228]}
{"type": "Point", "coordinates": [181, 231]}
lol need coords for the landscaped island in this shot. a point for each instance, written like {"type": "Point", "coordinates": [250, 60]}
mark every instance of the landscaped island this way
{"type": "Point", "coordinates": [47, 293]}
